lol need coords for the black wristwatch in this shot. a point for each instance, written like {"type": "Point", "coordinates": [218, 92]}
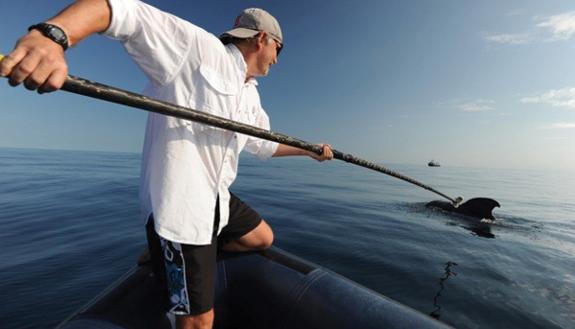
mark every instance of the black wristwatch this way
{"type": "Point", "coordinates": [52, 32]}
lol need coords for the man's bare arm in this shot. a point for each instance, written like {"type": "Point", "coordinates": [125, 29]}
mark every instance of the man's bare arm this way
{"type": "Point", "coordinates": [39, 62]}
{"type": "Point", "coordinates": [286, 150]}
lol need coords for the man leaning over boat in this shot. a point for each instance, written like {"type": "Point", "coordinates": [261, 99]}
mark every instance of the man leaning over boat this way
{"type": "Point", "coordinates": [187, 167]}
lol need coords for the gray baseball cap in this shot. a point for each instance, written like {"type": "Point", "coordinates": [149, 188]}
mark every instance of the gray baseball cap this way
{"type": "Point", "coordinates": [253, 21]}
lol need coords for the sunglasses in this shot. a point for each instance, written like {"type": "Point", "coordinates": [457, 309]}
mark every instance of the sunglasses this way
{"type": "Point", "coordinates": [279, 47]}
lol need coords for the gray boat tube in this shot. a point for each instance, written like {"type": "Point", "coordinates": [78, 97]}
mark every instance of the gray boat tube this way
{"type": "Point", "coordinates": [261, 290]}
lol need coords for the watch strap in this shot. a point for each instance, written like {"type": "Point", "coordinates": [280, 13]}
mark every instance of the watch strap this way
{"type": "Point", "coordinates": [52, 32]}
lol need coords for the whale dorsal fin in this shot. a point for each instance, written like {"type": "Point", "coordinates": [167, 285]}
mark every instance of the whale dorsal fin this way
{"type": "Point", "coordinates": [479, 207]}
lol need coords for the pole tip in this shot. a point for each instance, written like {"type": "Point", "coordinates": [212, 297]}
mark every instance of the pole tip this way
{"type": "Point", "coordinates": [457, 201]}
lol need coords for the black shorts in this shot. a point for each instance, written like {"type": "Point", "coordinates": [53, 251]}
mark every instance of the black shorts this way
{"type": "Point", "coordinates": [190, 270]}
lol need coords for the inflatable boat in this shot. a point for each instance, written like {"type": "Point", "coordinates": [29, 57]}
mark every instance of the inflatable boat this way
{"type": "Point", "coordinates": [259, 290]}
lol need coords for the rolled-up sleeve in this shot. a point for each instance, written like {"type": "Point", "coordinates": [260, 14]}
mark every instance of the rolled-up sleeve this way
{"type": "Point", "coordinates": [264, 149]}
{"type": "Point", "coordinates": [157, 41]}
{"type": "Point", "coordinates": [124, 22]}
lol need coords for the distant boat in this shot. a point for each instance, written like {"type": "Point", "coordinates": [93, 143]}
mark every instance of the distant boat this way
{"type": "Point", "coordinates": [433, 163]}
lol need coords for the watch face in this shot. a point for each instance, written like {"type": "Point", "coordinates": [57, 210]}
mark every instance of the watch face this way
{"type": "Point", "coordinates": [56, 33]}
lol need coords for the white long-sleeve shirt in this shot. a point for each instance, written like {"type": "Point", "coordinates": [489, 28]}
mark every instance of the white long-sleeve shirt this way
{"type": "Point", "coordinates": [186, 165]}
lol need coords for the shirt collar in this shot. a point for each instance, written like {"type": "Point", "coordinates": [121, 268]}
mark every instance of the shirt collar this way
{"type": "Point", "coordinates": [239, 59]}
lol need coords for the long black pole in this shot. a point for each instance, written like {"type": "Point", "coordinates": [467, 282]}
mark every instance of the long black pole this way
{"type": "Point", "coordinates": [104, 92]}
{"type": "Point", "coordinates": [115, 95]}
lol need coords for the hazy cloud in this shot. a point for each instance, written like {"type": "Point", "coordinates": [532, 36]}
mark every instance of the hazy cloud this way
{"type": "Point", "coordinates": [511, 39]}
{"type": "Point", "coordinates": [563, 125]}
{"type": "Point", "coordinates": [516, 12]}
{"type": "Point", "coordinates": [555, 138]}
{"type": "Point", "coordinates": [480, 105]}
{"type": "Point", "coordinates": [559, 27]}
{"type": "Point", "coordinates": [562, 26]}
{"type": "Point", "coordinates": [557, 97]}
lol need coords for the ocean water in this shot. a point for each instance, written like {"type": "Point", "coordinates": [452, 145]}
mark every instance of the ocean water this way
{"type": "Point", "coordinates": [70, 227]}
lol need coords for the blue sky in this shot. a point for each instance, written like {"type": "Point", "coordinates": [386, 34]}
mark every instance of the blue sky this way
{"type": "Point", "coordinates": [469, 83]}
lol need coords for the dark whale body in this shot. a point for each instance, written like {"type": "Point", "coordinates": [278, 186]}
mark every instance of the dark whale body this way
{"type": "Point", "coordinates": [479, 208]}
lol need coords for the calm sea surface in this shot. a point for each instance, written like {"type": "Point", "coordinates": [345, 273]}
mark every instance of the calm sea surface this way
{"type": "Point", "coordinates": [70, 227]}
